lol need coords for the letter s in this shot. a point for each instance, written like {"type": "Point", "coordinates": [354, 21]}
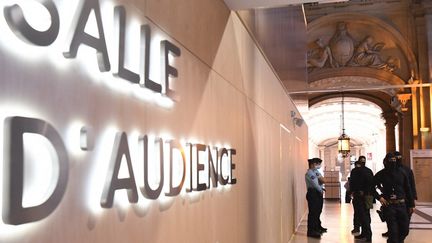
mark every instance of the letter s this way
{"type": "Point", "coordinates": [16, 21]}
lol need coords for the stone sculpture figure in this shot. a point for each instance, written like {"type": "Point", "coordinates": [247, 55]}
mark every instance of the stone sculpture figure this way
{"type": "Point", "coordinates": [392, 64]}
{"type": "Point", "coordinates": [319, 56]}
{"type": "Point", "coordinates": [367, 54]}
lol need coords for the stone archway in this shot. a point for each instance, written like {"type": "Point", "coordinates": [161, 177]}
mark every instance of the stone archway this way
{"type": "Point", "coordinates": [364, 124]}
{"type": "Point", "coordinates": [389, 114]}
{"type": "Point", "coordinates": [358, 51]}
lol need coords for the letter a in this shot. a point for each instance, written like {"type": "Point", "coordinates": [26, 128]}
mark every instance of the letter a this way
{"type": "Point", "coordinates": [113, 183]}
{"type": "Point", "coordinates": [81, 37]}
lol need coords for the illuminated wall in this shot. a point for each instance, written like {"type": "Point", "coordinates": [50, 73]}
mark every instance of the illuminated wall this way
{"type": "Point", "coordinates": [85, 130]}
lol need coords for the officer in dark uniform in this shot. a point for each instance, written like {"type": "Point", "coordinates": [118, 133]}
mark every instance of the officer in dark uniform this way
{"type": "Point", "coordinates": [356, 221]}
{"type": "Point", "coordinates": [314, 183]}
{"type": "Point", "coordinates": [395, 197]}
{"type": "Point", "coordinates": [409, 173]}
{"type": "Point", "coordinates": [361, 185]}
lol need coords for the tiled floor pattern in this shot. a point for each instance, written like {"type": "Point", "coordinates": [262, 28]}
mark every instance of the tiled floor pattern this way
{"type": "Point", "coordinates": [422, 218]}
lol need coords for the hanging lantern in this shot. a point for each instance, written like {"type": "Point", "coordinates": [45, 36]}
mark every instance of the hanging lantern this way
{"type": "Point", "coordinates": [344, 145]}
{"type": "Point", "coordinates": [343, 140]}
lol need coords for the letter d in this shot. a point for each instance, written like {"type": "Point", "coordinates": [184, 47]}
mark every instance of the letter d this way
{"type": "Point", "coordinates": [13, 170]}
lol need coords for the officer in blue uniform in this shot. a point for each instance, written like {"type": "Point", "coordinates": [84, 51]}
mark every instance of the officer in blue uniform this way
{"type": "Point", "coordinates": [314, 196]}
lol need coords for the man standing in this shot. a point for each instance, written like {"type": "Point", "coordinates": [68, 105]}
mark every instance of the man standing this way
{"type": "Point", "coordinates": [409, 173]}
{"type": "Point", "coordinates": [314, 196]}
{"type": "Point", "coordinates": [361, 185]}
{"type": "Point", "coordinates": [356, 221]}
{"type": "Point", "coordinates": [395, 197]}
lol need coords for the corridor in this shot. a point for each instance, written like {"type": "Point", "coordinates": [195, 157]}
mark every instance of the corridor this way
{"type": "Point", "coordinates": [338, 218]}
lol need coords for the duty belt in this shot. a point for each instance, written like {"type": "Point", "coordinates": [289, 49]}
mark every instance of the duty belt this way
{"type": "Point", "coordinates": [396, 201]}
{"type": "Point", "coordinates": [359, 193]}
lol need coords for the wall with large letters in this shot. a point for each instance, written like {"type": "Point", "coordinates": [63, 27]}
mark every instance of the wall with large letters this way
{"type": "Point", "coordinates": [77, 119]}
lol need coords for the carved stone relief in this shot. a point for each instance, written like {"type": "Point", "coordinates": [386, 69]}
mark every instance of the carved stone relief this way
{"type": "Point", "coordinates": [344, 51]}
{"type": "Point", "coordinates": [342, 45]}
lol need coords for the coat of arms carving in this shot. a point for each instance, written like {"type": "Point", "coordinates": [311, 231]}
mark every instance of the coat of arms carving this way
{"type": "Point", "coordinates": [344, 51]}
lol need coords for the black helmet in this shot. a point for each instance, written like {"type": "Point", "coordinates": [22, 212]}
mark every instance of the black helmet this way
{"type": "Point", "coordinates": [388, 156]}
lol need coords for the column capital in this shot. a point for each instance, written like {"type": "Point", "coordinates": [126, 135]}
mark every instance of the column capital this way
{"type": "Point", "coordinates": [391, 118]}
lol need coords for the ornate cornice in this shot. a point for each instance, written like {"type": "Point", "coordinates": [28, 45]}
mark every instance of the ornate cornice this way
{"type": "Point", "coordinates": [356, 72]}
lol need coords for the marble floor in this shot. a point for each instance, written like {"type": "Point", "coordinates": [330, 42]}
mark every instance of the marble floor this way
{"type": "Point", "coordinates": [338, 219]}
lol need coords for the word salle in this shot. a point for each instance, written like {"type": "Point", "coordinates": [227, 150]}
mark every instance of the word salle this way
{"type": "Point", "coordinates": [16, 21]}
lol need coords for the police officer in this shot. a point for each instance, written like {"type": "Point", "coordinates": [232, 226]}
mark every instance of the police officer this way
{"type": "Point", "coordinates": [409, 173]}
{"type": "Point", "coordinates": [361, 185]}
{"type": "Point", "coordinates": [395, 197]}
{"type": "Point", "coordinates": [356, 221]}
{"type": "Point", "coordinates": [314, 196]}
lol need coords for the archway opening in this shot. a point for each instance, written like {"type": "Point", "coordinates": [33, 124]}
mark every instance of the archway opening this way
{"type": "Point", "coordinates": [363, 123]}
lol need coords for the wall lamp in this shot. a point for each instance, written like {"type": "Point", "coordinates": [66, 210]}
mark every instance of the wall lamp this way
{"type": "Point", "coordinates": [298, 121]}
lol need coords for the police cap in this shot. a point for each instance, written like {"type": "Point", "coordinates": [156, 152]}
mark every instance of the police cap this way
{"type": "Point", "coordinates": [314, 161]}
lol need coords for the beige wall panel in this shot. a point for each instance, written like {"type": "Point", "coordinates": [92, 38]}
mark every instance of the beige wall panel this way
{"type": "Point", "coordinates": [225, 63]}
{"type": "Point", "coordinates": [249, 198]}
{"type": "Point", "coordinates": [263, 93]}
{"type": "Point", "coordinates": [259, 81]}
{"type": "Point", "coordinates": [199, 25]}
{"type": "Point", "coordinates": [287, 170]}
{"type": "Point", "coordinates": [275, 187]}
{"type": "Point", "coordinates": [265, 194]}
{"type": "Point", "coordinates": [238, 102]}
{"type": "Point", "coordinates": [247, 53]}
{"type": "Point", "coordinates": [300, 166]}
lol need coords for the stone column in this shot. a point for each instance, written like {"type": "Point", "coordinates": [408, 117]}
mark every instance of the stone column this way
{"type": "Point", "coordinates": [391, 119]}
{"type": "Point", "coordinates": [405, 135]}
